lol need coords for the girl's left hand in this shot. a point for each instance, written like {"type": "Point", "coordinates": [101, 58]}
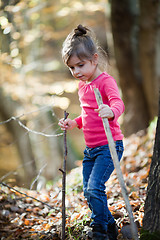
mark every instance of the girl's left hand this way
{"type": "Point", "coordinates": [105, 111]}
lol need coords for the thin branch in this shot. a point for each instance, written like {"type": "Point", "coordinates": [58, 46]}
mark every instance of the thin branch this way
{"type": "Point", "coordinates": [64, 181]}
{"type": "Point", "coordinates": [24, 114]}
{"type": "Point", "coordinates": [6, 185]}
{"type": "Point", "coordinates": [36, 179]}
{"type": "Point", "coordinates": [26, 128]}
{"type": "Point", "coordinates": [35, 132]}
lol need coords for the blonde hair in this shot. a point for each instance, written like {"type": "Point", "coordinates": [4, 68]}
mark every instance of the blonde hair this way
{"type": "Point", "coordinates": [82, 43]}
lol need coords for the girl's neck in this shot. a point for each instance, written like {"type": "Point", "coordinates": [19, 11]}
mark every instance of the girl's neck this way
{"type": "Point", "coordinates": [97, 73]}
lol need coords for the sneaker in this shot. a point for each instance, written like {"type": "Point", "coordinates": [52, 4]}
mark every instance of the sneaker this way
{"type": "Point", "coordinates": [100, 236]}
{"type": "Point", "coordinates": [112, 231]}
{"type": "Point", "coordinates": [97, 233]}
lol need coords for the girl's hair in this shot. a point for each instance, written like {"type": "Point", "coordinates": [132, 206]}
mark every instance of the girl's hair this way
{"type": "Point", "coordinates": [82, 43]}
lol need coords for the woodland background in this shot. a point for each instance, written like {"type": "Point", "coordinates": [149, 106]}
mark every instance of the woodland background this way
{"type": "Point", "coordinates": [36, 87]}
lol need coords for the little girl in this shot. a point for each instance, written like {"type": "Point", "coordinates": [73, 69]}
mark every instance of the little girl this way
{"type": "Point", "coordinates": [83, 57]}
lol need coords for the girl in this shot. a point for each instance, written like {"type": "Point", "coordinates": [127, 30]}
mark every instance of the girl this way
{"type": "Point", "coordinates": [84, 57]}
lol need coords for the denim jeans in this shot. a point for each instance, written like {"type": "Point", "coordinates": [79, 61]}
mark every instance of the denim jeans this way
{"type": "Point", "coordinates": [97, 168]}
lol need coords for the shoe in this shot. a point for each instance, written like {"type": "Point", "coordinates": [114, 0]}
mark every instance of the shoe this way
{"type": "Point", "coordinates": [97, 236]}
{"type": "Point", "coordinates": [100, 236]}
{"type": "Point", "coordinates": [112, 231]}
{"type": "Point", "coordinates": [97, 233]}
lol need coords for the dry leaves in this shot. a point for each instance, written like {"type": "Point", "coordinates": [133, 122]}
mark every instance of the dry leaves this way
{"type": "Point", "coordinates": [25, 218]}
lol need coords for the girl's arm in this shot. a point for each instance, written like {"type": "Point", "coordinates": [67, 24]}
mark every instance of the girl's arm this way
{"type": "Point", "coordinates": [116, 105]}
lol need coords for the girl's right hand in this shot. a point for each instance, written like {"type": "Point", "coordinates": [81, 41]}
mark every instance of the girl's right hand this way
{"type": "Point", "coordinates": [67, 124]}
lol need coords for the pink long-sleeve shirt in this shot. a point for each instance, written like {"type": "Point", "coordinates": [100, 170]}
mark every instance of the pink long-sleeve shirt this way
{"type": "Point", "coordinates": [89, 120]}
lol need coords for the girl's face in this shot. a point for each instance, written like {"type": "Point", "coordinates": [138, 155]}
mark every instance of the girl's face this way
{"type": "Point", "coordinates": [84, 70]}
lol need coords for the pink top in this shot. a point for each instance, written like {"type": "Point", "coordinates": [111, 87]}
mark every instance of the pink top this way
{"type": "Point", "coordinates": [89, 120]}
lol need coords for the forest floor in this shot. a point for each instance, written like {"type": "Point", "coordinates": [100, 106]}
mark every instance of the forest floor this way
{"type": "Point", "coordinates": [22, 217]}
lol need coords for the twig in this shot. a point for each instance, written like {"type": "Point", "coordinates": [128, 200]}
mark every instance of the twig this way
{"type": "Point", "coordinates": [26, 128]}
{"type": "Point", "coordinates": [64, 181]}
{"type": "Point", "coordinates": [24, 114]}
{"type": "Point", "coordinates": [6, 185]}
{"type": "Point", "coordinates": [36, 179]}
{"type": "Point", "coordinates": [29, 130]}
{"type": "Point", "coordinates": [117, 167]}
{"type": "Point", "coordinates": [38, 133]}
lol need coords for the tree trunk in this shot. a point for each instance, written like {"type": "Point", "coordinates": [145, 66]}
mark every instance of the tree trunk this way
{"type": "Point", "coordinates": [151, 220]}
{"type": "Point", "coordinates": [124, 29]}
{"type": "Point", "coordinates": [21, 138]}
{"type": "Point", "coordinates": [149, 39]}
{"type": "Point", "coordinates": [130, 52]}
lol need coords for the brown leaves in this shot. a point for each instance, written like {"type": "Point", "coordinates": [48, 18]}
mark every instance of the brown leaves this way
{"type": "Point", "coordinates": [28, 219]}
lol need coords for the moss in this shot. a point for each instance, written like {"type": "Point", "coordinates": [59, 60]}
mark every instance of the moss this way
{"type": "Point", "coordinates": [146, 235]}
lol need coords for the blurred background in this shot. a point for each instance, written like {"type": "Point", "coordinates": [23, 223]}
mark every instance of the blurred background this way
{"type": "Point", "coordinates": [36, 87]}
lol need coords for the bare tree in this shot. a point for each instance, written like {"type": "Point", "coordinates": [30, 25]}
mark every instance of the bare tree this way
{"type": "Point", "coordinates": [136, 37]}
{"type": "Point", "coordinates": [7, 109]}
{"type": "Point", "coordinates": [151, 220]}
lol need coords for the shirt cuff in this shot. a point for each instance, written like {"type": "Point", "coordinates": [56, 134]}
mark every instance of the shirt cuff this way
{"type": "Point", "coordinates": [116, 115]}
{"type": "Point", "coordinates": [79, 121]}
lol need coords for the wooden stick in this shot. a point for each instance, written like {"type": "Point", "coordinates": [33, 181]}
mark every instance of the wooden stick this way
{"type": "Point", "coordinates": [117, 167]}
{"type": "Point", "coordinates": [64, 181]}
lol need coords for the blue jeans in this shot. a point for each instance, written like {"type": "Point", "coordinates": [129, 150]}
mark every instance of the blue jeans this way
{"type": "Point", "coordinates": [97, 168]}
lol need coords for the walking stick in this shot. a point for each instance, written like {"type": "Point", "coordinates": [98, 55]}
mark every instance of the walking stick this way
{"type": "Point", "coordinates": [113, 152]}
{"type": "Point", "coordinates": [64, 182]}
